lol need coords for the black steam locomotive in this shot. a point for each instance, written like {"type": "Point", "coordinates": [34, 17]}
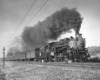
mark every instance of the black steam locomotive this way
{"type": "Point", "coordinates": [62, 50]}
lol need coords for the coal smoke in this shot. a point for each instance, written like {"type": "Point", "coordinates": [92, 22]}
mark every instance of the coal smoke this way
{"type": "Point", "coordinates": [51, 28]}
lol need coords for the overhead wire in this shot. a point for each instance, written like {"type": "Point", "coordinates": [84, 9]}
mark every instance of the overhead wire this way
{"type": "Point", "coordinates": [27, 14]}
{"type": "Point", "coordinates": [37, 12]}
{"type": "Point", "coordinates": [24, 17]}
{"type": "Point", "coordinates": [58, 8]}
{"type": "Point", "coordinates": [32, 17]}
{"type": "Point", "coordinates": [43, 10]}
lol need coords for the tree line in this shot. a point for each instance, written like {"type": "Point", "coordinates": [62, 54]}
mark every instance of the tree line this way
{"type": "Point", "coordinates": [94, 49]}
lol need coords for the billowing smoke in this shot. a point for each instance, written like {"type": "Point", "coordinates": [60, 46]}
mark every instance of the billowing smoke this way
{"type": "Point", "coordinates": [51, 28]}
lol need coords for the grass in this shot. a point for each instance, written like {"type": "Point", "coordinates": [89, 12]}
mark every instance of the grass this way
{"type": "Point", "coordinates": [39, 71]}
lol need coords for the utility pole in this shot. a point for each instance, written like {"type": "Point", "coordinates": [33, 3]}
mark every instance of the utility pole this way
{"type": "Point", "coordinates": [4, 56]}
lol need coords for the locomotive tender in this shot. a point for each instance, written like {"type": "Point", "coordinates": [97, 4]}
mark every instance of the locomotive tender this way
{"type": "Point", "coordinates": [55, 51]}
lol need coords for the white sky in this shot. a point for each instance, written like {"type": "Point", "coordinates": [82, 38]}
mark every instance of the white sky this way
{"type": "Point", "coordinates": [13, 11]}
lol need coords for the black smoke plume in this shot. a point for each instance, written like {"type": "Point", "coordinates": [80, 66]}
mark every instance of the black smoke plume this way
{"type": "Point", "coordinates": [51, 28]}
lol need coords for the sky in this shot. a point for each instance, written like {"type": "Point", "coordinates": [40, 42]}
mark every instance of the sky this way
{"type": "Point", "coordinates": [13, 11]}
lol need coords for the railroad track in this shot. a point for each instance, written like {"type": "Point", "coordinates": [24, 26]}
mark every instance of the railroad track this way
{"type": "Point", "coordinates": [80, 65]}
{"type": "Point", "coordinates": [65, 64]}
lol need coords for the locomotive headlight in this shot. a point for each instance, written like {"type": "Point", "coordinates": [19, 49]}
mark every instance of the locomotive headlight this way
{"type": "Point", "coordinates": [40, 54]}
{"type": "Point", "coordinates": [52, 53]}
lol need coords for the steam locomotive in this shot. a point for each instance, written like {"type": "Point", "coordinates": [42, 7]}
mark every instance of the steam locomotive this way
{"type": "Point", "coordinates": [58, 51]}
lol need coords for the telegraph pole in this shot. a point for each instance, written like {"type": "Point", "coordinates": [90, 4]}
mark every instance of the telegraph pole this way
{"type": "Point", "coordinates": [4, 56]}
